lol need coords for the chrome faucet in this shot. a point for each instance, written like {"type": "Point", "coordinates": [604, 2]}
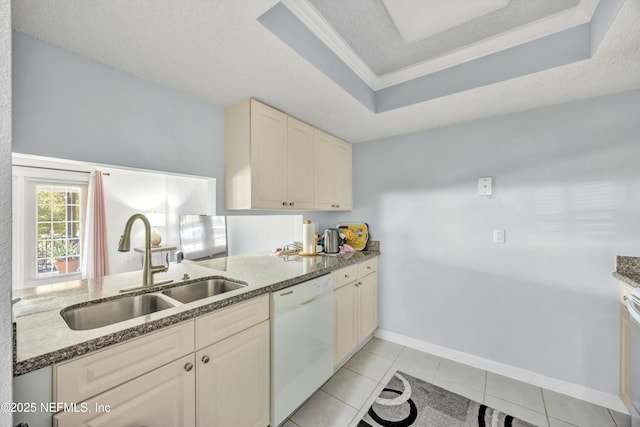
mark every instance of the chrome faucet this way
{"type": "Point", "coordinates": [148, 270]}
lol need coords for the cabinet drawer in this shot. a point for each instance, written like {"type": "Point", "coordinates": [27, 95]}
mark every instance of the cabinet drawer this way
{"type": "Point", "coordinates": [625, 290]}
{"type": "Point", "coordinates": [90, 375]}
{"type": "Point", "coordinates": [230, 320]}
{"type": "Point", "coordinates": [162, 397]}
{"type": "Point", "coordinates": [368, 267]}
{"type": "Point", "coordinates": [344, 275]}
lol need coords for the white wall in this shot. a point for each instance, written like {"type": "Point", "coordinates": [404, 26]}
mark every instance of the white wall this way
{"type": "Point", "coordinates": [6, 363]}
{"type": "Point", "coordinates": [70, 107]}
{"type": "Point", "coordinates": [567, 193]}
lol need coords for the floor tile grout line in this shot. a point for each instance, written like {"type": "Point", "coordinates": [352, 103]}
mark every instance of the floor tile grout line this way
{"type": "Point", "coordinates": [379, 355]}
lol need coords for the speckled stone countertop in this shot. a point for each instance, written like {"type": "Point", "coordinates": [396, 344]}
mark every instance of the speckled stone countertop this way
{"type": "Point", "coordinates": [628, 270]}
{"type": "Point", "coordinates": [43, 338]}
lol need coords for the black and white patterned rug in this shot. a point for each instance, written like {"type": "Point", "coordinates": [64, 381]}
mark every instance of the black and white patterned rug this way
{"type": "Point", "coordinates": [408, 401]}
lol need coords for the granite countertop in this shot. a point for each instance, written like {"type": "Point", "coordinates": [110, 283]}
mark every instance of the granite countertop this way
{"type": "Point", "coordinates": [628, 270]}
{"type": "Point", "coordinates": [43, 338]}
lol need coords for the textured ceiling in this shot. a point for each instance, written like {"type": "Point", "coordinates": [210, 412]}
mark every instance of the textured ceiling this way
{"type": "Point", "coordinates": [368, 29]}
{"type": "Point", "coordinates": [216, 51]}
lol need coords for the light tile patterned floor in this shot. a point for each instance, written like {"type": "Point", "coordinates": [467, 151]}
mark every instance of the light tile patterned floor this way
{"type": "Point", "coordinates": [344, 399]}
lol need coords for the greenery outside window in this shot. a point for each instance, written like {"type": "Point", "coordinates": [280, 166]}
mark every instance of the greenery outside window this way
{"type": "Point", "coordinates": [58, 238]}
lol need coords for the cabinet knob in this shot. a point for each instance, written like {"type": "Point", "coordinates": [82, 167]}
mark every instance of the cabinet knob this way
{"type": "Point", "coordinates": [205, 359]}
{"type": "Point", "coordinates": [346, 276]}
{"type": "Point", "coordinates": [368, 267]}
{"type": "Point", "coordinates": [624, 297]}
{"type": "Point", "coordinates": [284, 203]}
{"type": "Point", "coordinates": [333, 206]}
{"type": "Point", "coordinates": [337, 206]}
{"type": "Point", "coordinates": [188, 366]}
{"type": "Point", "coordinates": [291, 204]}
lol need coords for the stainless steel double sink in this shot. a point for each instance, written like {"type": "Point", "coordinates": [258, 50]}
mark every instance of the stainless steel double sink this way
{"type": "Point", "coordinates": [106, 313]}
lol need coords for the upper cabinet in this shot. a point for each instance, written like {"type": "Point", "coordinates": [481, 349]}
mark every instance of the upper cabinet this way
{"type": "Point", "coordinates": [272, 162]}
{"type": "Point", "coordinates": [332, 172]}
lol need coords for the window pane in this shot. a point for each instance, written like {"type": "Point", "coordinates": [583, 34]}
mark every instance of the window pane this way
{"type": "Point", "coordinates": [75, 229]}
{"type": "Point", "coordinates": [59, 229]}
{"type": "Point", "coordinates": [44, 212]}
{"type": "Point", "coordinates": [59, 212]}
{"type": "Point", "coordinates": [44, 229]}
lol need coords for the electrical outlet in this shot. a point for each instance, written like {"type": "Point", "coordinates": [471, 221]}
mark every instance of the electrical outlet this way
{"type": "Point", "coordinates": [498, 236]}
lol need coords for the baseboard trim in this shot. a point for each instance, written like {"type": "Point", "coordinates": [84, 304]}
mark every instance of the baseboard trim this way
{"type": "Point", "coordinates": [607, 400]}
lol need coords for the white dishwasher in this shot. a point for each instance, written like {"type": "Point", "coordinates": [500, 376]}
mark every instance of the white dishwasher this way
{"type": "Point", "coordinates": [301, 344]}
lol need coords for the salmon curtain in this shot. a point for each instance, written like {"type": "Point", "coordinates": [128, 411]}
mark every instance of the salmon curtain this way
{"type": "Point", "coordinates": [96, 248]}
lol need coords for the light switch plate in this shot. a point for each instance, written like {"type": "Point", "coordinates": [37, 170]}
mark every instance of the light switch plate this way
{"type": "Point", "coordinates": [498, 236]}
{"type": "Point", "coordinates": [485, 186]}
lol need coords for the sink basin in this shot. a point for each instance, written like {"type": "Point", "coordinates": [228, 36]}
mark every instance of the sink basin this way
{"type": "Point", "coordinates": [205, 288]}
{"type": "Point", "coordinates": [114, 311]}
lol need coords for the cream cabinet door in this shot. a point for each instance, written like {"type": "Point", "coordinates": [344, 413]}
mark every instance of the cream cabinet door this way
{"type": "Point", "coordinates": [368, 305]}
{"type": "Point", "coordinates": [268, 157]}
{"type": "Point", "coordinates": [345, 323]}
{"type": "Point", "coordinates": [343, 199]}
{"type": "Point", "coordinates": [163, 397]}
{"type": "Point", "coordinates": [233, 380]}
{"type": "Point", "coordinates": [300, 169]}
{"type": "Point", "coordinates": [324, 171]}
{"type": "Point", "coordinates": [332, 172]}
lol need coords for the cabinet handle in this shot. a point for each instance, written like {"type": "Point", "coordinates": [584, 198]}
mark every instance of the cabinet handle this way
{"type": "Point", "coordinates": [205, 359]}
{"type": "Point", "coordinates": [188, 366]}
{"type": "Point", "coordinates": [291, 204]}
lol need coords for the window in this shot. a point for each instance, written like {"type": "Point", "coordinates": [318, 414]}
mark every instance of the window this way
{"type": "Point", "coordinates": [58, 239]}
{"type": "Point", "coordinates": [48, 219]}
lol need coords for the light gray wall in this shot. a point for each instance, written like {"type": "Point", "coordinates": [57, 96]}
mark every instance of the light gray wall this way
{"type": "Point", "coordinates": [6, 361]}
{"type": "Point", "coordinates": [566, 192]}
{"type": "Point", "coordinates": [67, 106]}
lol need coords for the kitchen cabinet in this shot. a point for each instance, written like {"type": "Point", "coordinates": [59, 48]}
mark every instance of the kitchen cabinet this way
{"type": "Point", "coordinates": [233, 380]}
{"type": "Point", "coordinates": [355, 298]}
{"type": "Point", "coordinates": [271, 162]}
{"type": "Point", "coordinates": [213, 371]}
{"type": "Point", "coordinates": [332, 158]}
{"type": "Point", "coordinates": [268, 159]}
{"type": "Point", "coordinates": [164, 396]}
{"type": "Point", "coordinates": [94, 373]}
{"type": "Point", "coordinates": [625, 350]}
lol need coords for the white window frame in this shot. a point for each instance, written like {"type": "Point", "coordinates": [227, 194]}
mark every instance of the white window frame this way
{"type": "Point", "coordinates": [25, 180]}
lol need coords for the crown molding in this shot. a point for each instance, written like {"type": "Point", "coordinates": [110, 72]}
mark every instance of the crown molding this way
{"type": "Point", "coordinates": [309, 15]}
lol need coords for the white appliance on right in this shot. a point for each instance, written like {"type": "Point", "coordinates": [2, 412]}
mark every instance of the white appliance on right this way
{"type": "Point", "coordinates": [633, 303]}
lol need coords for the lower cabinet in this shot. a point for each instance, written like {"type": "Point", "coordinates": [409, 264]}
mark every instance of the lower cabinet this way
{"type": "Point", "coordinates": [355, 307]}
{"type": "Point", "coordinates": [222, 380]}
{"type": "Point", "coordinates": [163, 397]}
{"type": "Point", "coordinates": [233, 380]}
